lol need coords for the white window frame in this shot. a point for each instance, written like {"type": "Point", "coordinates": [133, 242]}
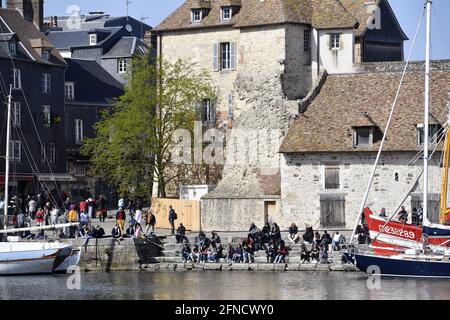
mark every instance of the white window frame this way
{"type": "Point", "coordinates": [356, 142]}
{"type": "Point", "coordinates": [69, 91]}
{"type": "Point", "coordinates": [226, 13]}
{"type": "Point", "coordinates": [208, 111]}
{"type": "Point", "coordinates": [122, 65]}
{"type": "Point", "coordinates": [46, 55]}
{"type": "Point", "coordinates": [46, 83]}
{"type": "Point", "coordinates": [79, 134]}
{"type": "Point", "coordinates": [47, 114]}
{"type": "Point", "coordinates": [13, 48]}
{"type": "Point", "coordinates": [225, 55]}
{"type": "Point", "coordinates": [17, 79]}
{"type": "Point", "coordinates": [52, 153]}
{"type": "Point", "coordinates": [16, 114]}
{"type": "Point", "coordinates": [15, 147]}
{"type": "Point", "coordinates": [92, 39]}
{"type": "Point", "coordinates": [200, 15]}
{"type": "Point", "coordinates": [335, 41]}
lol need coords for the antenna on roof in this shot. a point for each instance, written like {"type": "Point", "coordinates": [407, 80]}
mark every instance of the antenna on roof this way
{"type": "Point", "coordinates": [127, 4]}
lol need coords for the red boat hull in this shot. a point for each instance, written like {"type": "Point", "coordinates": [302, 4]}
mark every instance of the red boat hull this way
{"type": "Point", "coordinates": [396, 237]}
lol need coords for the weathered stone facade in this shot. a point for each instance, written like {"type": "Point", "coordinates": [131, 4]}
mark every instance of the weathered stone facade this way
{"type": "Point", "coordinates": [302, 183]}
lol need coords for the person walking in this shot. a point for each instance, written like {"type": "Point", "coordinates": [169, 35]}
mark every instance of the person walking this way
{"type": "Point", "coordinates": [32, 206]}
{"type": "Point", "coordinates": [103, 206]}
{"type": "Point", "coordinates": [151, 222]}
{"type": "Point", "coordinates": [172, 218]}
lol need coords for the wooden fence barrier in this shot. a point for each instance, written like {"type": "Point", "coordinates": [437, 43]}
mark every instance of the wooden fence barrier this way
{"type": "Point", "coordinates": [188, 213]}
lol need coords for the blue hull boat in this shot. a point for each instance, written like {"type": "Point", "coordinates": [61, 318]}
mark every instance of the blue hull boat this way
{"type": "Point", "coordinates": [401, 265]}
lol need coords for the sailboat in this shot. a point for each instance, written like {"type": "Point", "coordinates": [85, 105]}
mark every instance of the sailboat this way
{"type": "Point", "coordinates": [432, 257]}
{"type": "Point", "coordinates": [29, 258]}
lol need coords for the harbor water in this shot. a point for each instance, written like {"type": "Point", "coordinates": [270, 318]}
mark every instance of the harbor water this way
{"type": "Point", "coordinates": [210, 285]}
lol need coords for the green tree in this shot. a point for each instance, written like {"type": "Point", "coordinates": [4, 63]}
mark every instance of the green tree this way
{"type": "Point", "coordinates": [134, 138]}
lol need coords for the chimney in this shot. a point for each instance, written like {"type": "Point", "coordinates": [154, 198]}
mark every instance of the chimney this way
{"type": "Point", "coordinates": [31, 10]}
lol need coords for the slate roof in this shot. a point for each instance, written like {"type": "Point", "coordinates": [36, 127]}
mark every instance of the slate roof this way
{"type": "Point", "coordinates": [127, 47]}
{"type": "Point", "coordinates": [93, 84]}
{"type": "Point", "coordinates": [29, 36]}
{"type": "Point", "coordinates": [327, 124]}
{"type": "Point", "coordinates": [321, 14]}
{"type": "Point", "coordinates": [80, 38]}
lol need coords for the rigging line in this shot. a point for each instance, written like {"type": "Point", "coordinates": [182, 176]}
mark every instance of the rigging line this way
{"type": "Point", "coordinates": [409, 192]}
{"type": "Point", "coordinates": [34, 165]}
{"type": "Point", "coordinates": [369, 185]}
{"type": "Point", "coordinates": [420, 152]}
{"type": "Point", "coordinates": [31, 116]}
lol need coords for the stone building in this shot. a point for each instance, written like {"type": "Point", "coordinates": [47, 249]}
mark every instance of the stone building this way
{"type": "Point", "coordinates": [330, 149]}
{"type": "Point", "coordinates": [268, 58]}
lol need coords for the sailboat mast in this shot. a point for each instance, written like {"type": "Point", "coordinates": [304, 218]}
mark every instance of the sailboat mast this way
{"type": "Point", "coordinates": [7, 157]}
{"type": "Point", "coordinates": [427, 112]}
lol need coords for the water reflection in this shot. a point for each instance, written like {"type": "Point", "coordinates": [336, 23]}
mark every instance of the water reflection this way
{"type": "Point", "coordinates": [206, 285]}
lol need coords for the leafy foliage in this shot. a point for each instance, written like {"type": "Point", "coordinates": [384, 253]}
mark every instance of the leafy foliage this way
{"type": "Point", "coordinates": [133, 139]}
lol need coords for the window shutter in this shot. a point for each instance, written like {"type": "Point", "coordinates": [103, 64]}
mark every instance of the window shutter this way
{"type": "Point", "coordinates": [330, 41]}
{"type": "Point", "coordinates": [233, 55]}
{"type": "Point", "coordinates": [216, 57]}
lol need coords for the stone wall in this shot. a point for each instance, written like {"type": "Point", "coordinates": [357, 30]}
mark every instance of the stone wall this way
{"type": "Point", "coordinates": [302, 178]}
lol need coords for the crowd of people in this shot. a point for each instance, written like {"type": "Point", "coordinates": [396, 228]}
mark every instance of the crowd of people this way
{"type": "Point", "coordinates": [267, 239]}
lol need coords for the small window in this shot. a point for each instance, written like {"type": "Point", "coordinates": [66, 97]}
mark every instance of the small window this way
{"type": "Point", "coordinates": [43, 153]}
{"type": "Point", "coordinates": [16, 116]}
{"type": "Point", "coordinates": [12, 48]}
{"type": "Point", "coordinates": [15, 151]}
{"type": "Point", "coordinates": [46, 55]}
{"type": "Point", "coordinates": [196, 15]}
{"type": "Point", "coordinates": [332, 177]}
{"type": "Point", "coordinates": [433, 133]}
{"type": "Point", "coordinates": [78, 131]}
{"type": "Point", "coordinates": [52, 153]}
{"type": "Point", "coordinates": [17, 79]}
{"type": "Point", "coordinates": [226, 14]}
{"type": "Point", "coordinates": [307, 40]}
{"type": "Point", "coordinates": [93, 39]}
{"type": "Point", "coordinates": [46, 114]}
{"type": "Point", "coordinates": [335, 41]}
{"type": "Point", "coordinates": [80, 169]}
{"type": "Point", "coordinates": [46, 83]}
{"type": "Point", "coordinates": [208, 111]}
{"type": "Point", "coordinates": [69, 90]}
{"type": "Point", "coordinates": [122, 66]}
{"type": "Point", "coordinates": [225, 56]}
{"type": "Point", "coordinates": [363, 137]}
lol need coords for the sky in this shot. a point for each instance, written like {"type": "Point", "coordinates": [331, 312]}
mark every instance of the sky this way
{"type": "Point", "coordinates": [407, 11]}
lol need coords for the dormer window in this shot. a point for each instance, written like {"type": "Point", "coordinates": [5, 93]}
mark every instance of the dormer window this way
{"type": "Point", "coordinates": [197, 15]}
{"type": "Point", "coordinates": [226, 13]}
{"type": "Point", "coordinates": [46, 55]}
{"type": "Point", "coordinates": [93, 39]}
{"type": "Point", "coordinates": [433, 133]}
{"type": "Point", "coordinates": [363, 137]}
{"type": "Point", "coordinates": [13, 48]}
